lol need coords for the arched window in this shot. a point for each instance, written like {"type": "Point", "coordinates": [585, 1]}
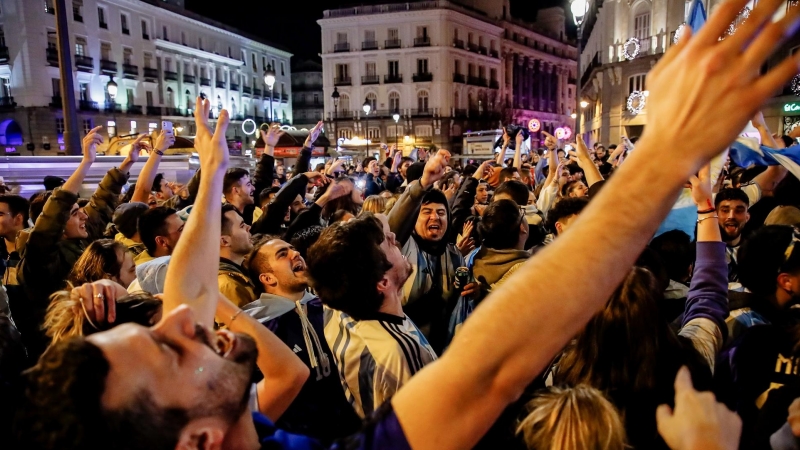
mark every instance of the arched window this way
{"type": "Point", "coordinates": [641, 22]}
{"type": "Point", "coordinates": [344, 104]}
{"type": "Point", "coordinates": [422, 101]}
{"type": "Point", "coordinates": [394, 101]}
{"type": "Point", "coordinates": [233, 107]}
{"type": "Point", "coordinates": [188, 100]}
{"type": "Point", "coordinates": [170, 98]}
{"type": "Point", "coordinates": [373, 101]}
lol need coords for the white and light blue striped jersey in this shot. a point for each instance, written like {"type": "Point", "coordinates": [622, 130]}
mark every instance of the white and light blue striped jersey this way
{"type": "Point", "coordinates": [375, 357]}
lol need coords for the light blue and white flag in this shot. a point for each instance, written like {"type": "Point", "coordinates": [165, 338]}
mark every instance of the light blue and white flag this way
{"type": "Point", "coordinates": [697, 16]}
{"type": "Point", "coordinates": [746, 152]}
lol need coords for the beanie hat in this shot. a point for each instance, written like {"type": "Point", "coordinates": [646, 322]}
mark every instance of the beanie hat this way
{"type": "Point", "coordinates": [126, 217]}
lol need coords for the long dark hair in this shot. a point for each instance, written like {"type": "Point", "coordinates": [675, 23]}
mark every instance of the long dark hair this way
{"type": "Point", "coordinates": [100, 260]}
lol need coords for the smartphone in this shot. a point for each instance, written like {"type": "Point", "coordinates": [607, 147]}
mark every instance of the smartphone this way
{"type": "Point", "coordinates": [166, 125]}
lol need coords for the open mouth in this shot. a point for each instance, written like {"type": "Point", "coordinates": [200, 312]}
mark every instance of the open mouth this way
{"type": "Point", "coordinates": [434, 228]}
{"type": "Point", "coordinates": [298, 267]}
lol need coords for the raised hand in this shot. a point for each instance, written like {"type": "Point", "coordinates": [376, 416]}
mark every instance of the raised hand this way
{"type": "Point", "coordinates": [272, 135]}
{"type": "Point", "coordinates": [211, 146]}
{"type": "Point", "coordinates": [98, 301]}
{"type": "Point", "coordinates": [313, 175]}
{"type": "Point", "coordinates": [713, 75]}
{"type": "Point", "coordinates": [164, 140]}
{"type": "Point", "coordinates": [485, 170]}
{"type": "Point", "coordinates": [701, 188]}
{"type": "Point", "coordinates": [550, 141]}
{"type": "Point", "coordinates": [450, 192]}
{"type": "Point", "coordinates": [313, 135]}
{"type": "Point", "coordinates": [90, 143]}
{"type": "Point", "coordinates": [435, 168]}
{"type": "Point", "coordinates": [697, 421]}
{"type": "Point", "coordinates": [465, 243]}
{"type": "Point", "coordinates": [136, 148]}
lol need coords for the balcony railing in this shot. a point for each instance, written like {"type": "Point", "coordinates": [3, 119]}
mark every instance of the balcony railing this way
{"type": "Point", "coordinates": [220, 84]}
{"type": "Point", "coordinates": [170, 75]}
{"type": "Point", "coordinates": [150, 74]}
{"type": "Point", "coordinates": [55, 101]}
{"type": "Point", "coordinates": [84, 63]}
{"type": "Point", "coordinates": [276, 96]}
{"type": "Point", "coordinates": [458, 43]}
{"type": "Point", "coordinates": [342, 81]}
{"type": "Point", "coordinates": [108, 67]}
{"type": "Point", "coordinates": [341, 47]}
{"type": "Point", "coordinates": [153, 110]}
{"type": "Point", "coordinates": [369, 45]}
{"type": "Point", "coordinates": [420, 77]}
{"type": "Point", "coordinates": [205, 81]}
{"type": "Point", "coordinates": [177, 112]}
{"type": "Point", "coordinates": [247, 90]}
{"type": "Point", "coordinates": [392, 43]}
{"type": "Point", "coordinates": [483, 50]}
{"type": "Point", "coordinates": [234, 87]}
{"type": "Point", "coordinates": [130, 71]}
{"type": "Point", "coordinates": [7, 103]}
{"type": "Point", "coordinates": [256, 92]}
{"type": "Point", "coordinates": [77, 17]}
{"type": "Point", "coordinates": [284, 98]}
{"type": "Point", "coordinates": [52, 56]}
{"type": "Point", "coordinates": [494, 54]}
{"type": "Point", "coordinates": [134, 109]}
{"type": "Point", "coordinates": [145, 36]}
{"type": "Point", "coordinates": [112, 107]}
{"type": "Point", "coordinates": [394, 78]}
{"type": "Point", "coordinates": [460, 113]}
{"type": "Point", "coordinates": [477, 81]}
{"type": "Point", "coordinates": [423, 41]}
{"type": "Point", "coordinates": [459, 78]}
{"type": "Point", "coordinates": [104, 25]}
{"type": "Point", "coordinates": [472, 47]}
{"type": "Point", "coordinates": [370, 79]}
{"type": "Point", "coordinates": [3, 55]}
{"type": "Point", "coordinates": [422, 112]}
{"type": "Point", "coordinates": [88, 105]}
{"type": "Point", "coordinates": [187, 78]}
{"type": "Point", "coordinates": [126, 31]}
{"type": "Point", "coordinates": [494, 84]}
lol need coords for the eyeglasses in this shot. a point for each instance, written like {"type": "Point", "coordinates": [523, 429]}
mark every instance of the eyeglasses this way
{"type": "Point", "coordinates": [790, 249]}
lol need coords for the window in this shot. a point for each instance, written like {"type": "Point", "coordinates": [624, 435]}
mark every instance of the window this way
{"type": "Point", "coordinates": [5, 87]}
{"type": "Point", "coordinates": [423, 130]}
{"type": "Point", "coordinates": [457, 68]}
{"type": "Point", "coordinates": [369, 36]}
{"type": "Point", "coordinates": [482, 72]}
{"type": "Point", "coordinates": [84, 92]}
{"type": "Point", "coordinates": [493, 74]}
{"type": "Point", "coordinates": [346, 133]}
{"type": "Point", "coordinates": [123, 20]}
{"type": "Point", "coordinates": [164, 33]}
{"type": "Point", "coordinates": [87, 126]}
{"type": "Point", "coordinates": [422, 65]}
{"type": "Point", "coordinates": [316, 99]}
{"type": "Point", "coordinates": [344, 103]}
{"type": "Point", "coordinates": [77, 10]}
{"type": "Point", "coordinates": [393, 34]}
{"type": "Point", "coordinates": [272, 61]}
{"type": "Point", "coordinates": [59, 125]}
{"type": "Point", "coordinates": [422, 101]}
{"type": "Point", "coordinates": [373, 101]}
{"type": "Point", "coordinates": [422, 32]}
{"type": "Point", "coordinates": [48, 7]}
{"type": "Point", "coordinates": [394, 101]}
{"type": "Point", "coordinates": [394, 69]}
{"type": "Point", "coordinates": [145, 34]}
{"type": "Point", "coordinates": [168, 64]}
{"type": "Point", "coordinates": [283, 89]}
{"type": "Point", "coordinates": [455, 34]}
{"type": "Point", "coordinates": [480, 41]}
{"type": "Point", "coordinates": [200, 43]}
{"type": "Point", "coordinates": [255, 65]}
{"type": "Point", "coordinates": [101, 17]}
{"type": "Point", "coordinates": [341, 38]}
{"type": "Point", "coordinates": [264, 62]}
{"type": "Point", "coordinates": [51, 40]}
{"type": "Point", "coordinates": [149, 98]}
{"type": "Point", "coordinates": [470, 70]}
{"type": "Point", "coordinates": [3, 37]}
{"type": "Point", "coordinates": [148, 61]}
{"type": "Point", "coordinates": [370, 69]}
{"type": "Point", "coordinates": [637, 83]}
{"type": "Point", "coordinates": [80, 46]}
{"type": "Point", "coordinates": [56, 87]}
{"type": "Point", "coordinates": [170, 100]}
{"type": "Point", "coordinates": [105, 51]}
{"type": "Point", "coordinates": [127, 56]}
{"type": "Point", "coordinates": [283, 70]}
{"type": "Point", "coordinates": [394, 130]}
{"type": "Point", "coordinates": [641, 26]}
{"type": "Point", "coordinates": [469, 38]}
{"type": "Point", "coordinates": [374, 133]}
{"type": "Point", "coordinates": [130, 96]}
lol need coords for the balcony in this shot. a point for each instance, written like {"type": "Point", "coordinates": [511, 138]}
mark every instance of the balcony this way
{"type": "Point", "coordinates": [234, 87]}
{"type": "Point", "coordinates": [276, 96]}
{"type": "Point", "coordinates": [477, 81]}
{"type": "Point", "coordinates": [108, 67]}
{"type": "Point", "coordinates": [494, 84]}
{"type": "Point", "coordinates": [145, 36]}
{"type": "Point", "coordinates": [284, 98]}
{"type": "Point", "coordinates": [341, 47]}
{"type": "Point", "coordinates": [369, 45]}
{"type": "Point", "coordinates": [88, 105]}
{"type": "Point", "coordinates": [458, 43]}
{"type": "Point", "coordinates": [150, 74]}
{"type": "Point", "coordinates": [171, 76]}
{"type": "Point", "coordinates": [77, 18]}
{"type": "Point", "coordinates": [130, 71]}
{"type": "Point", "coordinates": [460, 113]}
{"type": "Point", "coordinates": [342, 81]}
{"type": "Point", "coordinates": [472, 47]}
{"type": "Point", "coordinates": [247, 90]}
{"type": "Point", "coordinates": [258, 119]}
{"type": "Point", "coordinates": [220, 84]}
{"type": "Point", "coordinates": [55, 101]}
{"type": "Point", "coordinates": [421, 77]}
{"type": "Point", "coordinates": [424, 41]}
{"type": "Point", "coordinates": [112, 107]}
{"type": "Point", "coordinates": [7, 103]}
{"type": "Point", "coordinates": [4, 55]}
{"type": "Point", "coordinates": [494, 54]}
{"type": "Point", "coordinates": [371, 79]}
{"type": "Point", "coordinates": [153, 110]}
{"type": "Point", "coordinates": [459, 78]}
{"type": "Point", "coordinates": [256, 92]}
{"type": "Point", "coordinates": [52, 56]}
{"type": "Point", "coordinates": [104, 25]}
{"type": "Point", "coordinates": [84, 63]}
{"type": "Point", "coordinates": [392, 43]}
{"type": "Point", "coordinates": [483, 50]}
{"type": "Point", "coordinates": [176, 112]}
{"type": "Point", "coordinates": [126, 31]}
{"type": "Point", "coordinates": [134, 109]}
{"type": "Point", "coordinates": [393, 78]}
{"type": "Point", "coordinates": [205, 81]}
{"type": "Point", "coordinates": [50, 9]}
{"type": "Point", "coordinates": [188, 78]}
{"type": "Point", "coordinates": [422, 112]}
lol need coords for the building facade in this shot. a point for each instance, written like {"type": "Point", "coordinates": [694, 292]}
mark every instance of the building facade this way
{"type": "Point", "coordinates": [160, 56]}
{"type": "Point", "coordinates": [437, 64]}
{"type": "Point", "coordinates": [611, 70]}
{"type": "Point", "coordinates": [307, 94]}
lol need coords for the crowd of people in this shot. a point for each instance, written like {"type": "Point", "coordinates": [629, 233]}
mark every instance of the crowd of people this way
{"type": "Point", "coordinates": [423, 302]}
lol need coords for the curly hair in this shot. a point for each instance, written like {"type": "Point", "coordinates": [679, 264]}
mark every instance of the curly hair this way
{"type": "Point", "coordinates": [345, 276]}
{"type": "Point", "coordinates": [100, 260]}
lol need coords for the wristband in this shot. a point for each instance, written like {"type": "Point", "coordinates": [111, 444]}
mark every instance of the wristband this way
{"type": "Point", "coordinates": [159, 152]}
{"type": "Point", "coordinates": [706, 218]}
{"type": "Point", "coordinates": [233, 317]}
{"type": "Point", "coordinates": [707, 211]}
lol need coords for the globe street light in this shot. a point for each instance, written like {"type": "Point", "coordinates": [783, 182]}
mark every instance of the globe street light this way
{"type": "Point", "coordinates": [269, 79]}
{"type": "Point", "coordinates": [366, 107]}
{"type": "Point", "coordinates": [584, 104]}
{"type": "Point", "coordinates": [579, 9]}
{"type": "Point", "coordinates": [111, 87]}
{"type": "Point", "coordinates": [396, 117]}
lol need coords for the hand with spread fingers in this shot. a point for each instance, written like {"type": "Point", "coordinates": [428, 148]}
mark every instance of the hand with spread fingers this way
{"type": "Point", "coordinates": [211, 146]}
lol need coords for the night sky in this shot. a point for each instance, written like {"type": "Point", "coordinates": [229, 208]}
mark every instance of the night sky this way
{"type": "Point", "coordinates": [292, 23]}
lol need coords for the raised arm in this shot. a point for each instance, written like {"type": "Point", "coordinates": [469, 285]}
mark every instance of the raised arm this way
{"type": "Point", "coordinates": [590, 171]}
{"type": "Point", "coordinates": [90, 143]}
{"type": "Point", "coordinates": [518, 151]}
{"type": "Point", "coordinates": [144, 184]}
{"type": "Point", "coordinates": [402, 217]}
{"type": "Point", "coordinates": [552, 158]}
{"type": "Point", "coordinates": [192, 273]}
{"type": "Point", "coordinates": [479, 375]}
{"type": "Point", "coordinates": [303, 163]}
{"type": "Point", "coordinates": [501, 156]}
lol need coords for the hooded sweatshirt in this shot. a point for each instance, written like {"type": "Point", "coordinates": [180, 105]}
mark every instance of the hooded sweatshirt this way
{"type": "Point", "coordinates": [320, 410]}
{"type": "Point", "coordinates": [150, 276]}
{"type": "Point", "coordinates": [491, 265]}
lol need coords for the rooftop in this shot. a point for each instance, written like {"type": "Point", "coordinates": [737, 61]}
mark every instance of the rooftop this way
{"type": "Point", "coordinates": [403, 7]}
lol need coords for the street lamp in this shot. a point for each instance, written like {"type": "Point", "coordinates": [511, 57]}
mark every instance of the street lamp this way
{"type": "Point", "coordinates": [366, 107]}
{"type": "Point", "coordinates": [584, 104]}
{"type": "Point", "coordinates": [335, 97]}
{"type": "Point", "coordinates": [269, 79]}
{"type": "Point", "coordinates": [111, 87]}
{"type": "Point", "coordinates": [396, 117]}
{"type": "Point", "coordinates": [579, 9]}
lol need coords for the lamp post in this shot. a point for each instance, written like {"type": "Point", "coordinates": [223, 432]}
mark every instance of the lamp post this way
{"type": "Point", "coordinates": [366, 107]}
{"type": "Point", "coordinates": [72, 141]}
{"type": "Point", "coordinates": [579, 9]}
{"type": "Point", "coordinates": [396, 117]}
{"type": "Point", "coordinates": [269, 79]}
{"type": "Point", "coordinates": [335, 97]}
{"type": "Point", "coordinates": [111, 87]}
